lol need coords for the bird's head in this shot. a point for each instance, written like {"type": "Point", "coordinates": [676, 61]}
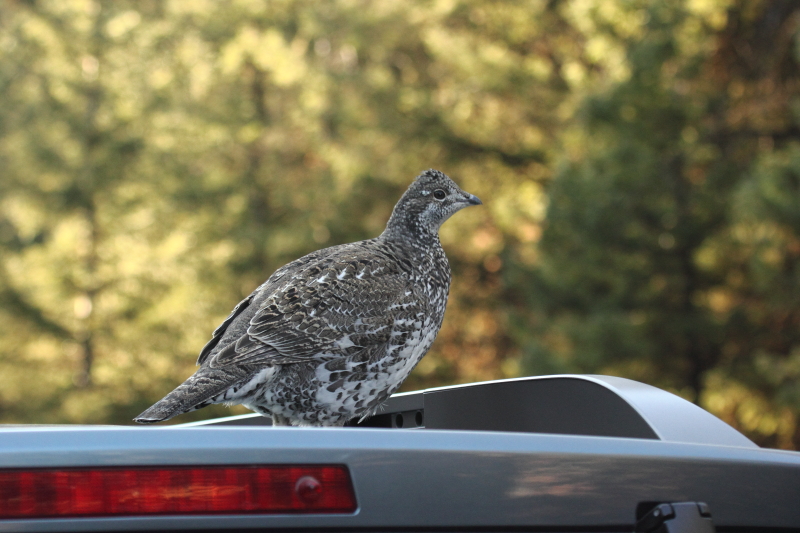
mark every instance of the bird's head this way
{"type": "Point", "coordinates": [430, 200]}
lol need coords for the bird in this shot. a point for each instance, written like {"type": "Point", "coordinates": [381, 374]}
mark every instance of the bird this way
{"type": "Point", "coordinates": [330, 336]}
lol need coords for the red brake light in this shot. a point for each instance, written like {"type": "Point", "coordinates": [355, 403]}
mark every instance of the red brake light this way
{"type": "Point", "coordinates": [51, 493]}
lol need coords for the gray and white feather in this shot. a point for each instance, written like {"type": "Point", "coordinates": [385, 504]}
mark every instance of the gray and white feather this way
{"type": "Point", "coordinates": [330, 336]}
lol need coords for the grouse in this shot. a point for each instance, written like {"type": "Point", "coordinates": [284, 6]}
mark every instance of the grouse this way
{"type": "Point", "coordinates": [330, 336]}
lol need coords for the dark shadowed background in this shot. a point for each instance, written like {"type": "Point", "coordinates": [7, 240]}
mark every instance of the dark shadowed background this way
{"type": "Point", "coordinates": [639, 162]}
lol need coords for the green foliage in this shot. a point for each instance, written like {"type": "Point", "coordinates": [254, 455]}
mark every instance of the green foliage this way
{"type": "Point", "coordinates": [159, 160]}
{"type": "Point", "coordinates": [670, 250]}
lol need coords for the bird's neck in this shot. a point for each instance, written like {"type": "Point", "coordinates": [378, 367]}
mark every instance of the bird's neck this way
{"type": "Point", "coordinates": [410, 231]}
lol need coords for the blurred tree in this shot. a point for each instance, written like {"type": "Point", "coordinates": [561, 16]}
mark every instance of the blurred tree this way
{"type": "Point", "coordinates": [654, 255]}
{"type": "Point", "coordinates": [68, 145]}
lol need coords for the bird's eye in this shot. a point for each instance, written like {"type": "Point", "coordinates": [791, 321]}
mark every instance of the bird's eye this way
{"type": "Point", "coordinates": [439, 194]}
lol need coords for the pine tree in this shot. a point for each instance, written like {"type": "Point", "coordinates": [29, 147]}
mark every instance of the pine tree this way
{"type": "Point", "coordinates": [653, 257]}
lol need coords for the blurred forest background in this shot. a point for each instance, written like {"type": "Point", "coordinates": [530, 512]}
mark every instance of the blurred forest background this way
{"type": "Point", "coordinates": [639, 161]}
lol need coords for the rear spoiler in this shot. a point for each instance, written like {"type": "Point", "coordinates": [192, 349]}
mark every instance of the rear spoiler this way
{"type": "Point", "coordinates": [590, 405]}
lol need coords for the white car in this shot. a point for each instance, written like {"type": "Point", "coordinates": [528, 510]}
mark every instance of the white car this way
{"type": "Point", "coordinates": [556, 453]}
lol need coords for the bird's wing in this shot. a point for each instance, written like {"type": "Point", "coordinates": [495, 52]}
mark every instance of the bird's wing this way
{"type": "Point", "coordinates": [275, 278]}
{"type": "Point", "coordinates": [331, 308]}
{"type": "Point", "coordinates": [220, 331]}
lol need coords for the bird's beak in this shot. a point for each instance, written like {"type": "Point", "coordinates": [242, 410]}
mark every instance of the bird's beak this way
{"type": "Point", "coordinates": [474, 200]}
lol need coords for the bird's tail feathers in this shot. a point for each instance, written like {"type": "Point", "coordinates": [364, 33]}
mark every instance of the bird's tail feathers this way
{"type": "Point", "coordinates": [203, 388]}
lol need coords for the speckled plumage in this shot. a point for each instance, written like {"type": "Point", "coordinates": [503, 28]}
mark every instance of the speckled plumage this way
{"type": "Point", "coordinates": [332, 335]}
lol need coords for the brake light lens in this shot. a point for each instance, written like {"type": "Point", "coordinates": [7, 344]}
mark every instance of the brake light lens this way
{"type": "Point", "coordinates": [55, 493]}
